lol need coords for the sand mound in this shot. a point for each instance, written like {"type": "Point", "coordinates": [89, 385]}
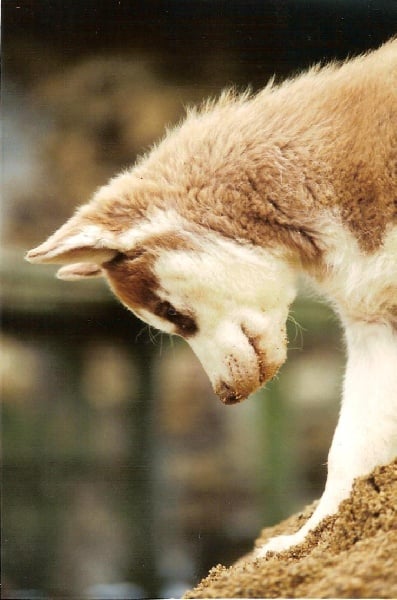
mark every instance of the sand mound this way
{"type": "Point", "coordinates": [352, 554]}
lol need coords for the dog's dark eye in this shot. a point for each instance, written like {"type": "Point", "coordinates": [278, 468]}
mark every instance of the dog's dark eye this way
{"type": "Point", "coordinates": [166, 310]}
{"type": "Point", "coordinates": [185, 324]}
{"type": "Point", "coordinates": [171, 312]}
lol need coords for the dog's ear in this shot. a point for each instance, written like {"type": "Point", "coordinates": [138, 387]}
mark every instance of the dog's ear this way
{"type": "Point", "coordinates": [78, 242]}
{"type": "Point", "coordinates": [79, 271]}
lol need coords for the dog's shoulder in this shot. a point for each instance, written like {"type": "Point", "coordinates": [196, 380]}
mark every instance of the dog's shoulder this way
{"type": "Point", "coordinates": [362, 285]}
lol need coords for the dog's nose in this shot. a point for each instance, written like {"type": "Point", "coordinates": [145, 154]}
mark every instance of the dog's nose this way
{"type": "Point", "coordinates": [227, 394]}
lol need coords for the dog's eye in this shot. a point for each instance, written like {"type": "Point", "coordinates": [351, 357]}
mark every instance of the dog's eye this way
{"type": "Point", "coordinates": [166, 310]}
{"type": "Point", "coordinates": [184, 323]}
{"type": "Point", "coordinates": [171, 312]}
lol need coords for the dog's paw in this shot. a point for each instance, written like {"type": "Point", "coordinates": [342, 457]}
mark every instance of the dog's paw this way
{"type": "Point", "coordinates": [279, 544]}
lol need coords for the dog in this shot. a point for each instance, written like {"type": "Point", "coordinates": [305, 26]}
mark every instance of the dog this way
{"type": "Point", "coordinates": [208, 234]}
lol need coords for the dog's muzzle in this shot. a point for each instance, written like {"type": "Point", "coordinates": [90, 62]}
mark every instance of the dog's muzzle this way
{"type": "Point", "coordinates": [243, 387]}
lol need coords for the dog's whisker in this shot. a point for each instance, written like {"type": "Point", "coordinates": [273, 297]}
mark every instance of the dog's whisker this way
{"type": "Point", "coordinates": [299, 329]}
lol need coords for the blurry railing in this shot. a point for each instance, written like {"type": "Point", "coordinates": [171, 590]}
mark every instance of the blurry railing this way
{"type": "Point", "coordinates": [63, 320]}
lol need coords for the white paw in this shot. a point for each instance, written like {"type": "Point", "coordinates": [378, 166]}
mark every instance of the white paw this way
{"type": "Point", "coordinates": [280, 543]}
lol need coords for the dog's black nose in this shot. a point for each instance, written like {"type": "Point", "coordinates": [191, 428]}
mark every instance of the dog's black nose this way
{"type": "Point", "coordinates": [227, 394]}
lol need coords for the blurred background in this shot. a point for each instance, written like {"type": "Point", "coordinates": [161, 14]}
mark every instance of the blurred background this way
{"type": "Point", "coordinates": [123, 475]}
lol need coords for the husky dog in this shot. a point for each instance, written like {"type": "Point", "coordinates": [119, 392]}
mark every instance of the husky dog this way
{"type": "Point", "coordinates": [207, 235]}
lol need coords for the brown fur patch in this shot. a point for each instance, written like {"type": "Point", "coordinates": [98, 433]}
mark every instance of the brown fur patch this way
{"type": "Point", "coordinates": [133, 280]}
{"type": "Point", "coordinates": [247, 208]}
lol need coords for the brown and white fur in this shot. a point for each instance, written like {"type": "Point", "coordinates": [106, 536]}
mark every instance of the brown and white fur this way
{"type": "Point", "coordinates": [207, 235]}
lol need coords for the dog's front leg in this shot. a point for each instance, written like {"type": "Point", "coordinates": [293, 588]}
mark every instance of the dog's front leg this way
{"type": "Point", "coordinates": [366, 434]}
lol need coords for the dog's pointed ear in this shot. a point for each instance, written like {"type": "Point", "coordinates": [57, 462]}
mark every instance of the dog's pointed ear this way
{"type": "Point", "coordinates": [77, 241]}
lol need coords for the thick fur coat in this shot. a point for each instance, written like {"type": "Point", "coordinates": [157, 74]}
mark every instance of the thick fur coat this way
{"type": "Point", "coordinates": [207, 235]}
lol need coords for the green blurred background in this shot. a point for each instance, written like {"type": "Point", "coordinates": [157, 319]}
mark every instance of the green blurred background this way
{"type": "Point", "coordinates": [123, 475]}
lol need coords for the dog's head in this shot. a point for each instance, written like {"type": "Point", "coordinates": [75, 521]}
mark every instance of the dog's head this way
{"type": "Point", "coordinates": [228, 299]}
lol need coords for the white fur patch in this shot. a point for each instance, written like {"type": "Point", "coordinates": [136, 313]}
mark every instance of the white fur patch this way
{"type": "Point", "coordinates": [361, 285]}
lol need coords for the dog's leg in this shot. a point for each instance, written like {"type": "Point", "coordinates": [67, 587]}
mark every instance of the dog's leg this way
{"type": "Point", "coordinates": [366, 434]}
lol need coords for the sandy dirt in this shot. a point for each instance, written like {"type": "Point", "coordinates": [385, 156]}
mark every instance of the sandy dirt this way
{"type": "Point", "coordinates": [352, 554]}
